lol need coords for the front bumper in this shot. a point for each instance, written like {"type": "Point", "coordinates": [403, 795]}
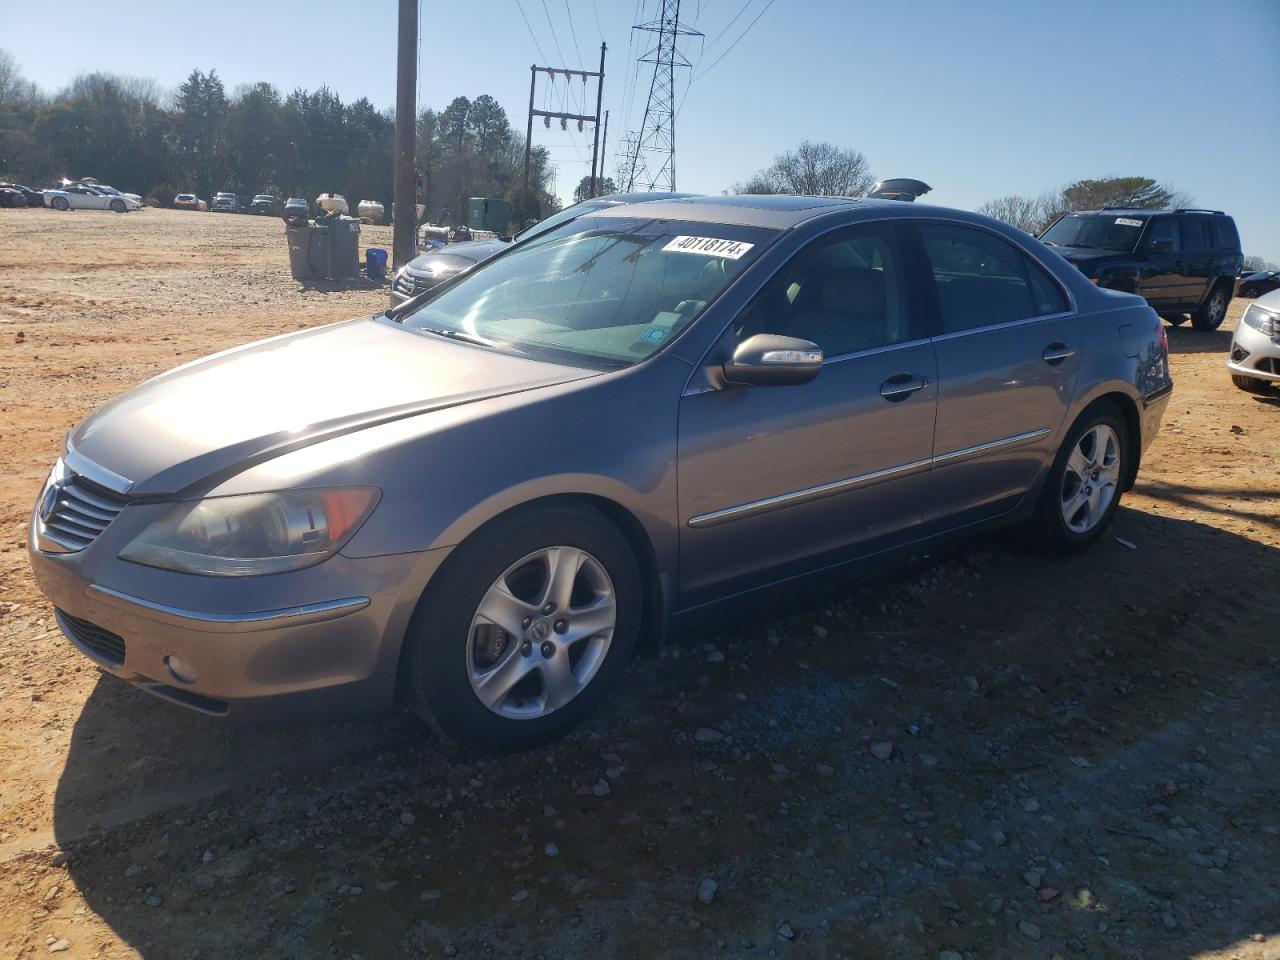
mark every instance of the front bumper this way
{"type": "Point", "coordinates": [1254, 354]}
{"type": "Point", "coordinates": [255, 652]}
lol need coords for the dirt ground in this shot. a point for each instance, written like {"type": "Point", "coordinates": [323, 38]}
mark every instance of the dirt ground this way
{"type": "Point", "coordinates": [976, 753]}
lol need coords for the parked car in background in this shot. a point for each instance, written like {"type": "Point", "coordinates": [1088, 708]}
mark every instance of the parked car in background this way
{"type": "Point", "coordinates": [82, 196]}
{"type": "Point", "coordinates": [641, 411]}
{"type": "Point", "coordinates": [264, 203]}
{"type": "Point", "coordinates": [187, 201]}
{"type": "Point", "coordinates": [1254, 359]}
{"type": "Point", "coordinates": [225, 203]}
{"type": "Point", "coordinates": [1181, 261]}
{"type": "Point", "coordinates": [448, 260]}
{"type": "Point", "coordinates": [113, 192]}
{"type": "Point", "coordinates": [296, 211]}
{"type": "Point", "coordinates": [32, 198]}
{"type": "Point", "coordinates": [1256, 284]}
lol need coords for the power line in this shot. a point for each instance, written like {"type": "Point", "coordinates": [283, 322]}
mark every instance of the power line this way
{"type": "Point", "coordinates": [573, 32]}
{"type": "Point", "coordinates": [532, 36]}
{"type": "Point", "coordinates": [712, 42]}
{"type": "Point", "coordinates": [739, 38]}
{"type": "Point", "coordinates": [552, 27]}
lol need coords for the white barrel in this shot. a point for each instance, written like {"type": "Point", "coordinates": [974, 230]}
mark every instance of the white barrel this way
{"type": "Point", "coordinates": [370, 210]}
{"type": "Point", "coordinates": [332, 202]}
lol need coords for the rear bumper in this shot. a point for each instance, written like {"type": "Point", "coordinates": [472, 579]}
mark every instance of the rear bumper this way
{"type": "Point", "coordinates": [331, 658]}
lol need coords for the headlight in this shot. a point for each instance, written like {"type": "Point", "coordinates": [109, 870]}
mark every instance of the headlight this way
{"type": "Point", "coordinates": [253, 534]}
{"type": "Point", "coordinates": [1262, 320]}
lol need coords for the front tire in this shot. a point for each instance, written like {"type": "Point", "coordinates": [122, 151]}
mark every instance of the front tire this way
{"type": "Point", "coordinates": [1213, 311]}
{"type": "Point", "coordinates": [117, 206]}
{"type": "Point", "coordinates": [1083, 489]}
{"type": "Point", "coordinates": [1251, 384]}
{"type": "Point", "coordinates": [525, 630]}
{"type": "Point", "coordinates": [60, 203]}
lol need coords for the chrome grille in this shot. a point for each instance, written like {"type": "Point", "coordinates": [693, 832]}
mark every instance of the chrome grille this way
{"type": "Point", "coordinates": [98, 642]}
{"type": "Point", "coordinates": [74, 513]}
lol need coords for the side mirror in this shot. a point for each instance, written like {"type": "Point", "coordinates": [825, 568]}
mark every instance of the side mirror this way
{"type": "Point", "coordinates": [1160, 246]}
{"type": "Point", "coordinates": [769, 360]}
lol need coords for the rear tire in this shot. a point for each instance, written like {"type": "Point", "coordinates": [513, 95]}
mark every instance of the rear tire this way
{"type": "Point", "coordinates": [1251, 384]}
{"type": "Point", "coordinates": [1214, 309]}
{"type": "Point", "coordinates": [1175, 319]}
{"type": "Point", "coordinates": [455, 654]}
{"type": "Point", "coordinates": [117, 206]}
{"type": "Point", "coordinates": [1083, 489]}
{"type": "Point", "coordinates": [60, 203]}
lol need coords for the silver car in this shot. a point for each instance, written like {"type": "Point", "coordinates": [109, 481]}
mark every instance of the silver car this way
{"type": "Point", "coordinates": [1254, 359]}
{"type": "Point", "coordinates": [483, 501]}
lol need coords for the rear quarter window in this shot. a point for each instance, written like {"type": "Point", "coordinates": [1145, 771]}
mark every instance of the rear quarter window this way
{"type": "Point", "coordinates": [1224, 233]}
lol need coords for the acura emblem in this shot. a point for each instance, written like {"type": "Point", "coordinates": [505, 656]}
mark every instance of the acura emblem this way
{"type": "Point", "coordinates": [49, 500]}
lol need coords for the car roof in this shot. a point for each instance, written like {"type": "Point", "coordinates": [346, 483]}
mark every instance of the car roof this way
{"type": "Point", "coordinates": [1145, 212]}
{"type": "Point", "coordinates": [775, 211]}
{"type": "Point", "coordinates": [643, 196]}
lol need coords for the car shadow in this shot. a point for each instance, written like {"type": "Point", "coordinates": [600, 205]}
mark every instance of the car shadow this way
{"type": "Point", "coordinates": [1187, 339]}
{"type": "Point", "coordinates": [188, 837]}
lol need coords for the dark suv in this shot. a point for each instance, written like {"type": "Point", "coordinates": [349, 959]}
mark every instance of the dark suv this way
{"type": "Point", "coordinates": [1182, 261]}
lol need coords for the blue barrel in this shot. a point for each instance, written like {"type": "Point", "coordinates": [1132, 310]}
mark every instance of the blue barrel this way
{"type": "Point", "coordinates": [375, 263]}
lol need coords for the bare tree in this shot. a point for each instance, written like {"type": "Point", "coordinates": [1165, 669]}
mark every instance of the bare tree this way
{"type": "Point", "coordinates": [1025, 213]}
{"type": "Point", "coordinates": [1256, 264]}
{"type": "Point", "coordinates": [817, 169]}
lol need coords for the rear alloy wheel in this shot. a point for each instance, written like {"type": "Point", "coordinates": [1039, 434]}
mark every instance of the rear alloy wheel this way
{"type": "Point", "coordinates": [526, 629]}
{"type": "Point", "coordinates": [1251, 384]}
{"type": "Point", "coordinates": [118, 206]}
{"type": "Point", "coordinates": [1083, 488]}
{"type": "Point", "coordinates": [1213, 311]}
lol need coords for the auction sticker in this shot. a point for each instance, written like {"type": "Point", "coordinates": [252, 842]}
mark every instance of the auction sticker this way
{"type": "Point", "coordinates": [1128, 222]}
{"type": "Point", "coordinates": [708, 247]}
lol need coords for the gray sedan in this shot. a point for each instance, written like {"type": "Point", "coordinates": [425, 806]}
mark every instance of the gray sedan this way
{"type": "Point", "coordinates": [484, 500]}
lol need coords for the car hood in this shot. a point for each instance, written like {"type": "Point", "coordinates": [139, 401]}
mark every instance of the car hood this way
{"type": "Point", "coordinates": [215, 417]}
{"type": "Point", "coordinates": [473, 250]}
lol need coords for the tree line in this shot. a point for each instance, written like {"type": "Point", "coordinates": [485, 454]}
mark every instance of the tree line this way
{"type": "Point", "coordinates": [128, 132]}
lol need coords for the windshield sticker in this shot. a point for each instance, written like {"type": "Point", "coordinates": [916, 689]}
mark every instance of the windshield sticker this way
{"type": "Point", "coordinates": [653, 335]}
{"type": "Point", "coordinates": [1128, 222]}
{"type": "Point", "coordinates": [708, 247]}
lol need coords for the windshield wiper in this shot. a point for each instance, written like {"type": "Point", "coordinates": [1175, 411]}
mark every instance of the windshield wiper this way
{"type": "Point", "coordinates": [466, 337]}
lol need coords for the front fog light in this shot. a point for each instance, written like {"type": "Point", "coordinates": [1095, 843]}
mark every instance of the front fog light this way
{"type": "Point", "coordinates": [181, 671]}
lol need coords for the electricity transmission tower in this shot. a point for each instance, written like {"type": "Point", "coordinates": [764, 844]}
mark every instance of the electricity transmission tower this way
{"type": "Point", "coordinates": [653, 146]}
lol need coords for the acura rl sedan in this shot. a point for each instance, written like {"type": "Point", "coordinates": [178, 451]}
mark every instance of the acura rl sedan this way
{"type": "Point", "coordinates": [480, 502]}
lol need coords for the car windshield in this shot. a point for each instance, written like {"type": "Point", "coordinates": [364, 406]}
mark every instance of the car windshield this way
{"type": "Point", "coordinates": [564, 216]}
{"type": "Point", "coordinates": [607, 290]}
{"type": "Point", "coordinates": [1096, 231]}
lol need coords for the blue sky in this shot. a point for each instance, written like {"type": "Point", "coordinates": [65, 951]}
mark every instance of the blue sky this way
{"type": "Point", "coordinates": [977, 98]}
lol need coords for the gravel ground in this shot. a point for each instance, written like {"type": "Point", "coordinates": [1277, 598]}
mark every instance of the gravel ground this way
{"type": "Point", "coordinates": [974, 753]}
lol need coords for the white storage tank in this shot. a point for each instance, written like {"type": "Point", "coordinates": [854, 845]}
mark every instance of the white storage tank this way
{"type": "Point", "coordinates": [332, 203]}
{"type": "Point", "coordinates": [370, 210]}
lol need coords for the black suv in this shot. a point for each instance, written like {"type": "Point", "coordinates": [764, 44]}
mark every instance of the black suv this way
{"type": "Point", "coordinates": [1182, 261]}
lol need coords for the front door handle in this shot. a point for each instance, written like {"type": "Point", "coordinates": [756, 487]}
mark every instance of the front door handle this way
{"type": "Point", "coordinates": [1056, 352]}
{"type": "Point", "coordinates": [900, 386]}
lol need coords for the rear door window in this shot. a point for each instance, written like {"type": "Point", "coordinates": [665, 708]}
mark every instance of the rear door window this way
{"type": "Point", "coordinates": [982, 279]}
{"type": "Point", "coordinates": [1195, 235]}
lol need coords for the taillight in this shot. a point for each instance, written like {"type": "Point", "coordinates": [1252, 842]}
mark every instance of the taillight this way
{"type": "Point", "coordinates": [1164, 339]}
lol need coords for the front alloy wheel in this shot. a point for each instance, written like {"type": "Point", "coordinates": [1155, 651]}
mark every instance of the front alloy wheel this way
{"type": "Point", "coordinates": [1091, 478]}
{"type": "Point", "coordinates": [526, 628]}
{"type": "Point", "coordinates": [541, 632]}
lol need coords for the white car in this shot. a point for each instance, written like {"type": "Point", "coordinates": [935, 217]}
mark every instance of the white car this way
{"type": "Point", "coordinates": [1254, 360]}
{"type": "Point", "coordinates": [81, 196]}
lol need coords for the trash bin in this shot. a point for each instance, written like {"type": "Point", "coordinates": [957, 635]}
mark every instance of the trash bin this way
{"type": "Point", "coordinates": [375, 263]}
{"type": "Point", "coordinates": [328, 251]}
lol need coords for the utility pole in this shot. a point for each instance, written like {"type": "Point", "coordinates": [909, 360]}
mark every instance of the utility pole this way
{"type": "Point", "coordinates": [528, 146]}
{"type": "Point", "coordinates": [595, 145]}
{"type": "Point", "coordinates": [404, 241]}
{"type": "Point", "coordinates": [657, 135]}
{"type": "Point", "coordinates": [564, 118]}
{"type": "Point", "coordinates": [604, 150]}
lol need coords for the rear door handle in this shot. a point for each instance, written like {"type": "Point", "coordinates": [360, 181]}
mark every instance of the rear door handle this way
{"type": "Point", "coordinates": [900, 386]}
{"type": "Point", "coordinates": [1056, 352]}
